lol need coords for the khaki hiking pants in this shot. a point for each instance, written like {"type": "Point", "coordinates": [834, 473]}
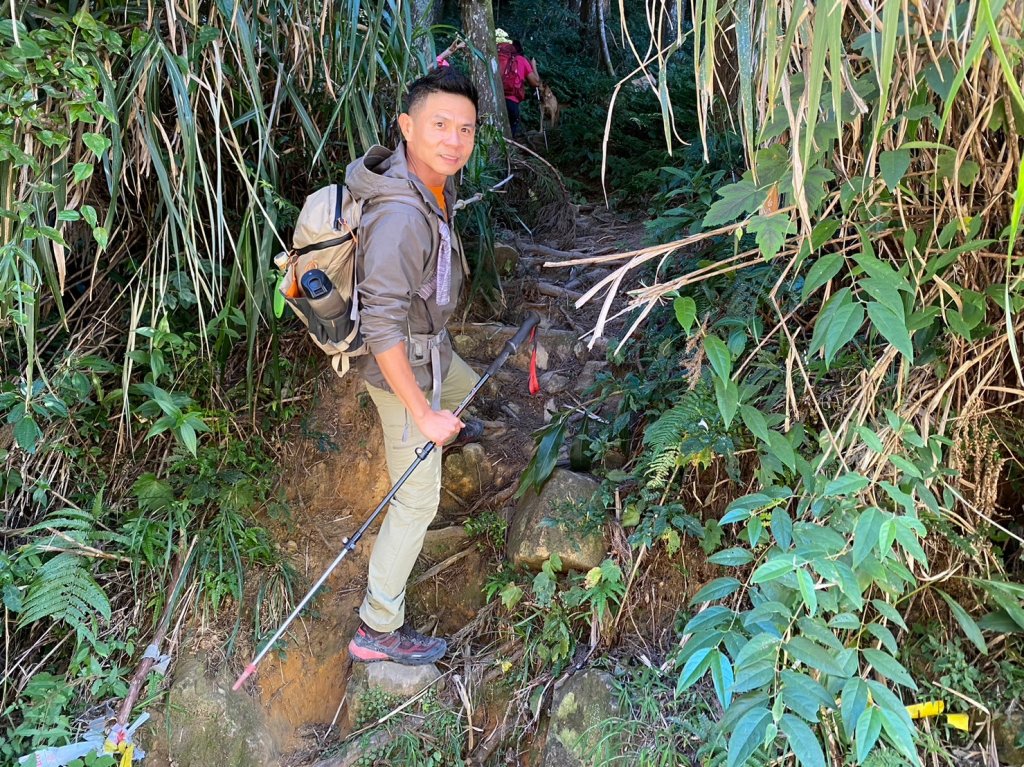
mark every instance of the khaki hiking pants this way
{"type": "Point", "coordinates": [414, 505]}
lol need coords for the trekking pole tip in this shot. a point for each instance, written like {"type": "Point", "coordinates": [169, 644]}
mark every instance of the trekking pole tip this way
{"type": "Point", "coordinates": [243, 676]}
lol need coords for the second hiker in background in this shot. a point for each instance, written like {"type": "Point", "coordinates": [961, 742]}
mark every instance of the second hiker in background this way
{"type": "Point", "coordinates": [516, 73]}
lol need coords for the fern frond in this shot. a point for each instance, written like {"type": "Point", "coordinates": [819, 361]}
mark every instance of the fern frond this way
{"type": "Point", "coordinates": [65, 591]}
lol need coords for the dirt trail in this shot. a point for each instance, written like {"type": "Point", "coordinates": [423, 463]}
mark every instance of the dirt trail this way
{"type": "Point", "coordinates": [336, 476]}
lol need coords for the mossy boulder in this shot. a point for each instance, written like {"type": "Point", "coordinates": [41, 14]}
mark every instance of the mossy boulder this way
{"type": "Point", "coordinates": [383, 686]}
{"type": "Point", "coordinates": [582, 729]}
{"type": "Point", "coordinates": [1009, 737]}
{"type": "Point", "coordinates": [209, 724]}
{"type": "Point", "coordinates": [549, 522]}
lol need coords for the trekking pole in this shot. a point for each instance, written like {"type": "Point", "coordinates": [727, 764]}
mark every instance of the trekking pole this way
{"type": "Point", "coordinates": [510, 348]}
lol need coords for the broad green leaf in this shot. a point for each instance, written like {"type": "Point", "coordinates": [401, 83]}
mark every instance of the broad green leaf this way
{"type": "Point", "coordinates": [759, 648]}
{"type": "Point", "coordinates": [27, 434]}
{"type": "Point", "coordinates": [722, 677]}
{"type": "Point", "coordinates": [101, 235]}
{"type": "Point", "coordinates": [869, 727]}
{"type": "Point", "coordinates": [188, 437]}
{"type": "Point", "coordinates": [82, 171]}
{"type": "Point", "coordinates": [836, 325]}
{"type": "Point", "coordinates": [887, 535]}
{"type": "Point", "coordinates": [970, 628]}
{"type": "Point", "coordinates": [694, 668]}
{"type": "Point", "coordinates": [754, 529]}
{"type": "Point", "coordinates": [771, 232]}
{"type": "Point", "coordinates": [847, 621]}
{"type": "Point", "coordinates": [719, 356]}
{"type": "Point", "coordinates": [754, 420]}
{"type": "Point", "coordinates": [773, 569]}
{"type": "Point", "coordinates": [708, 619]}
{"type": "Point", "coordinates": [734, 557]}
{"type": "Point", "coordinates": [803, 696]}
{"type": "Point", "coordinates": [802, 741]}
{"type": "Point", "coordinates": [889, 667]}
{"type": "Point", "coordinates": [686, 312]}
{"type": "Point", "coordinates": [815, 656]}
{"type": "Point", "coordinates": [727, 394]}
{"type": "Point", "coordinates": [510, 595]}
{"type": "Point", "coordinates": [823, 270]}
{"type": "Point", "coordinates": [807, 593]}
{"type": "Point", "coordinates": [782, 527]}
{"type": "Point", "coordinates": [905, 466]}
{"type": "Point", "coordinates": [885, 291]}
{"type": "Point", "coordinates": [719, 588]}
{"type": "Point", "coordinates": [854, 702]}
{"type": "Point", "coordinates": [893, 166]}
{"type": "Point", "coordinates": [883, 635]}
{"type": "Point", "coordinates": [782, 448]}
{"type": "Point", "coordinates": [900, 734]}
{"type": "Point", "coordinates": [889, 612]}
{"type": "Point", "coordinates": [871, 439]}
{"type": "Point", "coordinates": [896, 721]}
{"type": "Point", "coordinates": [893, 328]}
{"type": "Point", "coordinates": [97, 142]}
{"type": "Point", "coordinates": [1000, 622]}
{"type": "Point", "coordinates": [846, 484]}
{"type": "Point", "coordinates": [739, 199]}
{"type": "Point", "coordinates": [747, 736]}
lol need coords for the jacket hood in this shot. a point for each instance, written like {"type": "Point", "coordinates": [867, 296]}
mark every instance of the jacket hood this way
{"type": "Point", "coordinates": [382, 171]}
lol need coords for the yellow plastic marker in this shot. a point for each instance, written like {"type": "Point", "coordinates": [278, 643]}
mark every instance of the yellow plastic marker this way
{"type": "Point", "coordinates": [934, 708]}
{"type": "Point", "coordinates": [959, 721]}
{"type": "Point", "coordinates": [926, 709]}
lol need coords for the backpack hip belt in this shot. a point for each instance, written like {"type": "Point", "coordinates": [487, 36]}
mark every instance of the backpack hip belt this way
{"type": "Point", "coordinates": [425, 349]}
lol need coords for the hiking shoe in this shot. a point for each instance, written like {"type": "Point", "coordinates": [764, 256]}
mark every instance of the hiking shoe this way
{"type": "Point", "coordinates": [404, 645]}
{"type": "Point", "coordinates": [472, 431]}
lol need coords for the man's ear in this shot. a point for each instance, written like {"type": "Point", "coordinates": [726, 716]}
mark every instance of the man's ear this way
{"type": "Point", "coordinates": [404, 124]}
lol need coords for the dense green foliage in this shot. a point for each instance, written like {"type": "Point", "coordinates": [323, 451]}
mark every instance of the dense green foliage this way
{"type": "Point", "coordinates": [809, 408]}
{"type": "Point", "coordinates": [151, 159]}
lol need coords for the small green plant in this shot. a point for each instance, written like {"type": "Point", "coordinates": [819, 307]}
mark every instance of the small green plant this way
{"type": "Point", "coordinates": [489, 527]}
{"type": "Point", "coordinates": [555, 610]}
{"type": "Point", "coordinates": [375, 703]}
{"type": "Point", "coordinates": [655, 727]}
{"type": "Point", "coordinates": [426, 734]}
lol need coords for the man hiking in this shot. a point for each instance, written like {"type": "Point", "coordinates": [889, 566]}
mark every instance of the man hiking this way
{"type": "Point", "coordinates": [515, 70]}
{"type": "Point", "coordinates": [409, 273]}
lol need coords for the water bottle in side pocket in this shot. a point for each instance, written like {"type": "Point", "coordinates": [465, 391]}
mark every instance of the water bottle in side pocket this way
{"type": "Point", "coordinates": [323, 299]}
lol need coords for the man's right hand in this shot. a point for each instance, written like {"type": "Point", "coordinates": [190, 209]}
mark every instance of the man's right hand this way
{"type": "Point", "coordinates": [439, 426]}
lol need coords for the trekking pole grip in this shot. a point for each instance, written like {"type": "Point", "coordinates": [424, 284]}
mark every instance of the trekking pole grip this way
{"type": "Point", "coordinates": [512, 345]}
{"type": "Point", "coordinates": [531, 321]}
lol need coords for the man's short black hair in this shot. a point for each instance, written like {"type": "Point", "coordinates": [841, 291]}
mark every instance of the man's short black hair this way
{"type": "Point", "coordinates": [441, 80]}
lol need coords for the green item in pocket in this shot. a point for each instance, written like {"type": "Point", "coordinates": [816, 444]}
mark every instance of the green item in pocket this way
{"type": "Point", "coordinates": [279, 297]}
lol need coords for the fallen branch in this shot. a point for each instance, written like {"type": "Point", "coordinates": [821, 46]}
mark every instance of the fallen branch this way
{"type": "Point", "coordinates": [544, 250]}
{"type": "Point", "coordinates": [440, 566]}
{"type": "Point", "coordinates": [556, 291]}
{"type": "Point", "coordinates": [149, 658]}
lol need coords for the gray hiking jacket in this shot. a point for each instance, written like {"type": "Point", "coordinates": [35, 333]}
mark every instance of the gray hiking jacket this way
{"type": "Point", "coordinates": [396, 262]}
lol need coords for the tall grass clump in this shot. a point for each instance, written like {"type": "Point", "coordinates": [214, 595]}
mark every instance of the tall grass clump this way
{"type": "Point", "coordinates": [843, 332]}
{"type": "Point", "coordinates": [152, 157]}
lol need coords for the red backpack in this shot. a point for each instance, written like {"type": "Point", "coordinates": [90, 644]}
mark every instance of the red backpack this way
{"type": "Point", "coordinates": [511, 77]}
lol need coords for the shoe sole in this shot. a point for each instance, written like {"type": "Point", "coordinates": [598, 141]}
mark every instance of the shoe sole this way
{"type": "Point", "coordinates": [366, 655]}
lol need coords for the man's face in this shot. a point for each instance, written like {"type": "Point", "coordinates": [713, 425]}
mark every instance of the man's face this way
{"type": "Point", "coordinates": [439, 132]}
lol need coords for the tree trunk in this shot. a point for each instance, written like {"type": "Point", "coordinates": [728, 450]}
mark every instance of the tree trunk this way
{"type": "Point", "coordinates": [587, 20]}
{"type": "Point", "coordinates": [478, 23]}
{"type": "Point", "coordinates": [423, 18]}
{"type": "Point", "coordinates": [603, 6]}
